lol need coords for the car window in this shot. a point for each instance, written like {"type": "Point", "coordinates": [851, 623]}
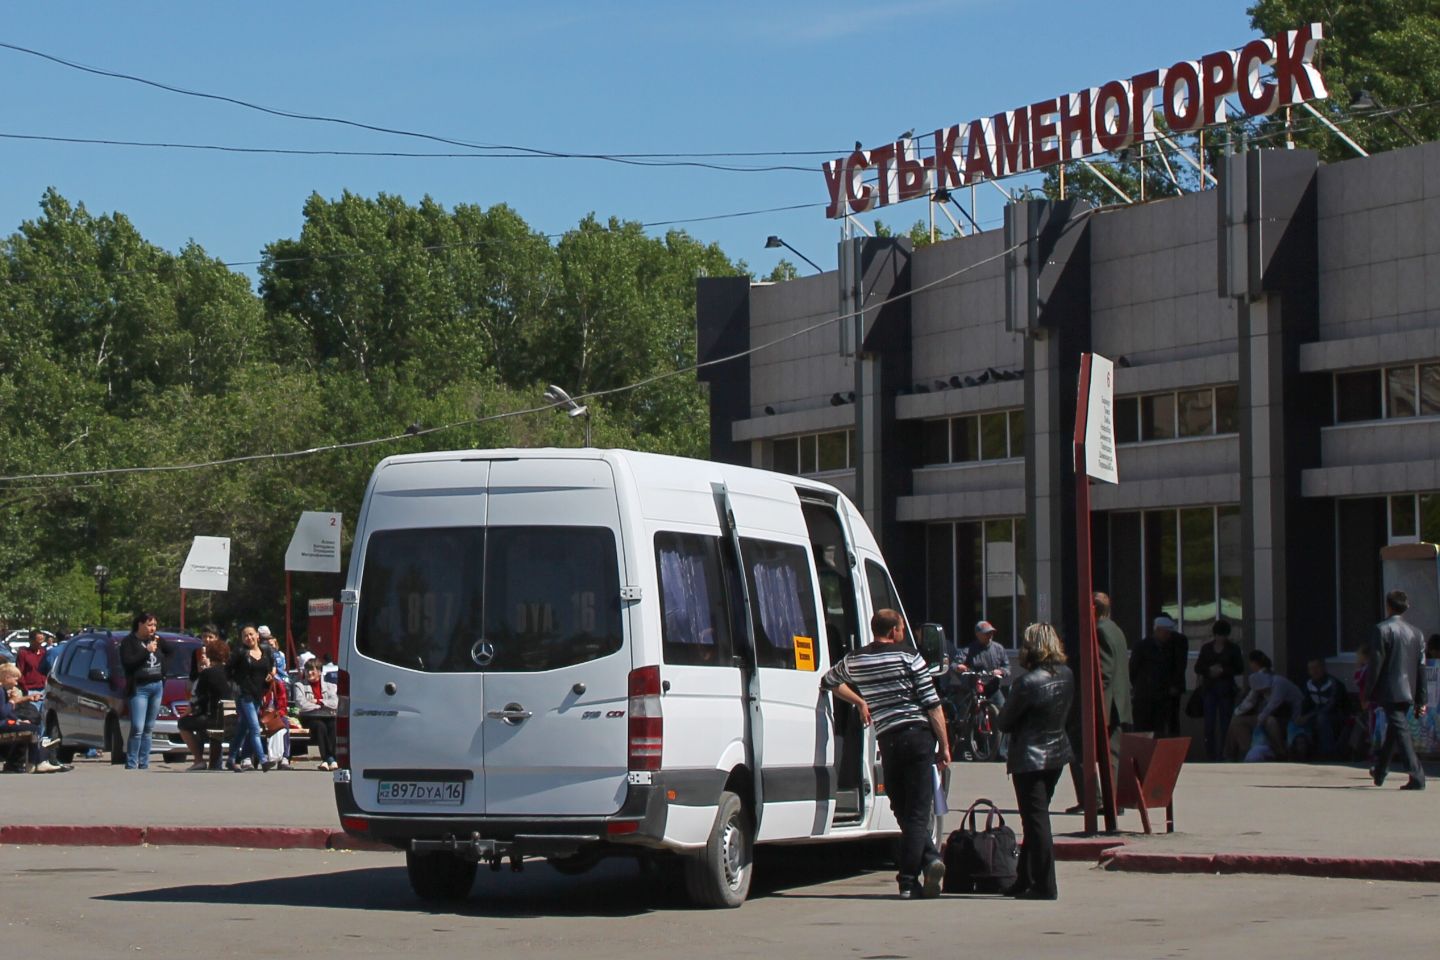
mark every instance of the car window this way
{"type": "Point", "coordinates": [782, 604]}
{"type": "Point", "coordinates": [67, 658]}
{"type": "Point", "coordinates": [99, 659]}
{"type": "Point", "coordinates": [179, 662]}
{"type": "Point", "coordinates": [540, 597]}
{"type": "Point", "coordinates": [694, 615]}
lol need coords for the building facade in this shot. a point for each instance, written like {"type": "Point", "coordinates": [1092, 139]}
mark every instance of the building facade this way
{"type": "Point", "coordinates": [1277, 384]}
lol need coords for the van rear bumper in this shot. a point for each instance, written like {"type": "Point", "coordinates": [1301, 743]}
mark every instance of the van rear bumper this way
{"type": "Point", "coordinates": [640, 822]}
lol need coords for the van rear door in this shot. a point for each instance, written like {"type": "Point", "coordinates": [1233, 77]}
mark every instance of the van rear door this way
{"type": "Point", "coordinates": [417, 698]}
{"type": "Point", "coordinates": [556, 688]}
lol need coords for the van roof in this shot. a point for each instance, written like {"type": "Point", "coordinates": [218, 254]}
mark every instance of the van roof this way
{"type": "Point", "coordinates": [647, 462]}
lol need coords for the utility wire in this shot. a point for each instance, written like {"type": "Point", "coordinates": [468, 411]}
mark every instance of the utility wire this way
{"type": "Point", "coordinates": [594, 394]}
{"type": "Point", "coordinates": [401, 154]}
{"type": "Point", "coordinates": [639, 160]}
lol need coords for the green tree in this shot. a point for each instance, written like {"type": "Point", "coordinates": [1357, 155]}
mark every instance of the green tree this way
{"type": "Point", "coordinates": [1384, 47]}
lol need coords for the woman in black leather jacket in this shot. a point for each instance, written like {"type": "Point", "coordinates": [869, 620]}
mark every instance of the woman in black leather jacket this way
{"type": "Point", "coordinates": [1034, 715]}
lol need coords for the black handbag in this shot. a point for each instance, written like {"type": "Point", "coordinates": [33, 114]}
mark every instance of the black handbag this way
{"type": "Point", "coordinates": [1195, 704]}
{"type": "Point", "coordinates": [981, 861]}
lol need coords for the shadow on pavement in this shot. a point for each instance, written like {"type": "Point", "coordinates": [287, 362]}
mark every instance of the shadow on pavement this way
{"type": "Point", "coordinates": [613, 889]}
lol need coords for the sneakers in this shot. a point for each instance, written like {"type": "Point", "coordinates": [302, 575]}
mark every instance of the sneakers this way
{"type": "Point", "coordinates": [47, 741]}
{"type": "Point", "coordinates": [285, 765]}
{"type": "Point", "coordinates": [267, 766]}
{"type": "Point", "coordinates": [324, 765]}
{"type": "Point", "coordinates": [931, 878]}
{"type": "Point", "coordinates": [247, 764]}
{"type": "Point", "coordinates": [47, 766]}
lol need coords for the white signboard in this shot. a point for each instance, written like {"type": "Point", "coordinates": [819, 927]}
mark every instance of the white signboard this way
{"type": "Point", "coordinates": [1100, 421]}
{"type": "Point", "coordinates": [315, 547]}
{"type": "Point", "coordinates": [208, 565]}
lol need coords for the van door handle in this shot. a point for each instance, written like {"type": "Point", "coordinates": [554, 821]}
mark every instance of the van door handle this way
{"type": "Point", "coordinates": [512, 714]}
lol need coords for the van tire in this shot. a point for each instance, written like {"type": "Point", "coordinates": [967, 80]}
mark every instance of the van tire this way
{"type": "Point", "coordinates": [719, 875]}
{"type": "Point", "coordinates": [440, 877]}
{"type": "Point", "coordinates": [114, 740]}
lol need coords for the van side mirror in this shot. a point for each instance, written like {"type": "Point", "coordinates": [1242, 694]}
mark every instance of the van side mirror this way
{"type": "Point", "coordinates": [933, 646]}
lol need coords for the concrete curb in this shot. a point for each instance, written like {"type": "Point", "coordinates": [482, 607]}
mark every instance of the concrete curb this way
{"type": "Point", "coordinates": [1085, 851]}
{"type": "Point", "coordinates": [1276, 864]}
{"type": "Point", "coordinates": [255, 838]}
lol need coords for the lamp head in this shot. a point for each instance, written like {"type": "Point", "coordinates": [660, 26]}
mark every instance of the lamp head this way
{"type": "Point", "coordinates": [772, 241]}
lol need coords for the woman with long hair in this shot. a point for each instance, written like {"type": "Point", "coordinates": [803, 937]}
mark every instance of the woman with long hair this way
{"type": "Point", "coordinates": [251, 669]}
{"type": "Point", "coordinates": [1034, 715]}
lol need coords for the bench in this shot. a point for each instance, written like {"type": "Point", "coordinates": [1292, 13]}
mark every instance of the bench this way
{"type": "Point", "coordinates": [1148, 771]}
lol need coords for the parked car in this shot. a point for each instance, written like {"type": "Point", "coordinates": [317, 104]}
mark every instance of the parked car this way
{"type": "Point", "coordinates": [85, 703]}
{"type": "Point", "coordinates": [17, 640]}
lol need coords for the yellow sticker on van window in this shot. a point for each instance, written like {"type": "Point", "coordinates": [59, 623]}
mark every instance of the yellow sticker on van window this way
{"type": "Point", "coordinates": [804, 653]}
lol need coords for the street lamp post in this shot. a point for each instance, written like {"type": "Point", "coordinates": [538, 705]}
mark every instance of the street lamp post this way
{"type": "Point", "coordinates": [102, 580]}
{"type": "Point", "coordinates": [560, 398]}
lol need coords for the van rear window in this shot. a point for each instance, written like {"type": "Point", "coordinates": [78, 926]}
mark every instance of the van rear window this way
{"type": "Point", "coordinates": [513, 599]}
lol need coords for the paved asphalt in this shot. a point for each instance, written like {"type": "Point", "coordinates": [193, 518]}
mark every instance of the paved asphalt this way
{"type": "Point", "coordinates": [222, 903]}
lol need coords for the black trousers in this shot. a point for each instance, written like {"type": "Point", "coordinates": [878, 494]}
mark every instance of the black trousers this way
{"type": "Point", "coordinates": [909, 757]}
{"type": "Point", "coordinates": [322, 735]}
{"type": "Point", "coordinates": [1397, 733]}
{"type": "Point", "coordinates": [1077, 747]}
{"type": "Point", "coordinates": [1159, 715]}
{"type": "Point", "coordinates": [1036, 870]}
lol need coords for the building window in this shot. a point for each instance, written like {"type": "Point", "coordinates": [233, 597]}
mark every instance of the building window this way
{"type": "Point", "coordinates": [1185, 564]}
{"type": "Point", "coordinates": [999, 435]}
{"type": "Point", "coordinates": [1393, 393]}
{"type": "Point", "coordinates": [1195, 412]}
{"type": "Point", "coordinates": [975, 571]}
{"type": "Point", "coordinates": [814, 452]}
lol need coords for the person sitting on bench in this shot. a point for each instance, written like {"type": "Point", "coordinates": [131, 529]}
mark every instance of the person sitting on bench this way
{"type": "Point", "coordinates": [210, 688]}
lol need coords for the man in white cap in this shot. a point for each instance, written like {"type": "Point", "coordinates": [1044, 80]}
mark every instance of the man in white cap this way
{"type": "Point", "coordinates": [987, 656]}
{"type": "Point", "coordinates": [1157, 678]}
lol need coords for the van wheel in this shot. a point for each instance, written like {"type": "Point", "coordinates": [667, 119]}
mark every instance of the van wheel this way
{"type": "Point", "coordinates": [439, 877]}
{"type": "Point", "coordinates": [719, 876]}
{"type": "Point", "coordinates": [114, 742]}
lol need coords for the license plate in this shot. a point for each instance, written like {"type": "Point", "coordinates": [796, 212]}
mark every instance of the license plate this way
{"type": "Point", "coordinates": [436, 792]}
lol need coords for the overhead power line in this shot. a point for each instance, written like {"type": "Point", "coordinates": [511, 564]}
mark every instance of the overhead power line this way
{"type": "Point", "coordinates": [629, 159]}
{"type": "Point", "coordinates": [828, 318]}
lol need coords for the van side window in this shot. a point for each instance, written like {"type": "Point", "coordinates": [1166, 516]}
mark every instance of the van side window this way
{"type": "Point", "coordinates": [67, 659]}
{"type": "Point", "coordinates": [695, 623]}
{"type": "Point", "coordinates": [782, 600]}
{"type": "Point", "coordinates": [882, 591]}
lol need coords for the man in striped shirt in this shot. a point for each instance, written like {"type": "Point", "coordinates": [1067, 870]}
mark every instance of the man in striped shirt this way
{"type": "Point", "coordinates": [889, 684]}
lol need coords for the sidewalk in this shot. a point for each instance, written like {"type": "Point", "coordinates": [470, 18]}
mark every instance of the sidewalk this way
{"type": "Point", "coordinates": [1325, 820]}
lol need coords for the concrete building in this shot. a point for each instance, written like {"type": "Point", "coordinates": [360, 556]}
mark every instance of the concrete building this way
{"type": "Point", "coordinates": [1277, 343]}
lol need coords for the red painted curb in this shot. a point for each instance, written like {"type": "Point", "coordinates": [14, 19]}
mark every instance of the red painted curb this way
{"type": "Point", "coordinates": [343, 841]}
{"type": "Point", "coordinates": [1084, 851]}
{"type": "Point", "coordinates": [1344, 868]}
{"type": "Point", "coordinates": [258, 838]}
{"type": "Point", "coordinates": [1276, 864]}
{"type": "Point", "coordinates": [71, 835]}
{"type": "Point", "coordinates": [1135, 862]}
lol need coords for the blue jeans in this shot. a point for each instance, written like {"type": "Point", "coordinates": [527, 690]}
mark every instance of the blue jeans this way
{"type": "Point", "coordinates": [247, 732]}
{"type": "Point", "coordinates": [1219, 706]}
{"type": "Point", "coordinates": [144, 708]}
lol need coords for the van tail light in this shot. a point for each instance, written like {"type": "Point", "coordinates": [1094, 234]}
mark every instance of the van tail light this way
{"type": "Point", "coordinates": [342, 719]}
{"type": "Point", "coordinates": [647, 726]}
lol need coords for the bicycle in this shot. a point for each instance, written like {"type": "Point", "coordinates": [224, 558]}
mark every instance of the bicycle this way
{"type": "Point", "coordinates": [971, 720]}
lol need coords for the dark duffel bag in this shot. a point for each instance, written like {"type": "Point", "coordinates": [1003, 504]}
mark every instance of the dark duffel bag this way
{"type": "Point", "coordinates": [981, 861]}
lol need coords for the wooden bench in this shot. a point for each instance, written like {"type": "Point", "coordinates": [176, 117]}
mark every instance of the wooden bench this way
{"type": "Point", "coordinates": [215, 737]}
{"type": "Point", "coordinates": [1149, 769]}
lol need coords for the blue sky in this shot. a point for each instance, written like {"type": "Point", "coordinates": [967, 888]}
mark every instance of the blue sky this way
{"type": "Point", "coordinates": [583, 77]}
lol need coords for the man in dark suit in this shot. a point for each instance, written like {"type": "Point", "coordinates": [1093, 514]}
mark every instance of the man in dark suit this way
{"type": "Point", "coordinates": [1397, 682]}
{"type": "Point", "coordinates": [1115, 685]}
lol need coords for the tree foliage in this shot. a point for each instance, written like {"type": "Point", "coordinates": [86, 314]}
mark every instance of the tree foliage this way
{"type": "Point", "coordinates": [381, 315]}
